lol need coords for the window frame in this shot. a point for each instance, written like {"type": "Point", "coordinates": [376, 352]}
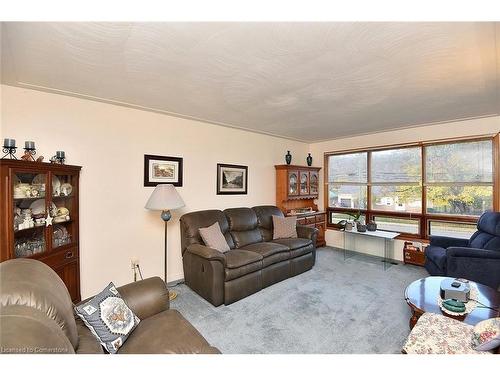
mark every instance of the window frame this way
{"type": "Point", "coordinates": [423, 217]}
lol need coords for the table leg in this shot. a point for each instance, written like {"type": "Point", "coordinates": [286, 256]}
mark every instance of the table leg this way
{"type": "Point", "coordinates": [414, 318]}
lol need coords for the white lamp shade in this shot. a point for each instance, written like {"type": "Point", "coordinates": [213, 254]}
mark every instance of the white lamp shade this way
{"type": "Point", "coordinates": [164, 197]}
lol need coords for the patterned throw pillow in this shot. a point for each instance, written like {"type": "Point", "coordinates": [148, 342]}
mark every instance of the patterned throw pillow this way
{"type": "Point", "coordinates": [109, 318]}
{"type": "Point", "coordinates": [486, 335]}
{"type": "Point", "coordinates": [213, 237]}
{"type": "Point", "coordinates": [284, 227]}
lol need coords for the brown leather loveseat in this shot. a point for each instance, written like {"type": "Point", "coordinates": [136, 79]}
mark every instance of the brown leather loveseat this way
{"type": "Point", "coordinates": [36, 316]}
{"type": "Point", "coordinates": [255, 260]}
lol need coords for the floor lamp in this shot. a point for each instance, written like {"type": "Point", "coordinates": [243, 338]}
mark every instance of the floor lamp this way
{"type": "Point", "coordinates": [165, 198]}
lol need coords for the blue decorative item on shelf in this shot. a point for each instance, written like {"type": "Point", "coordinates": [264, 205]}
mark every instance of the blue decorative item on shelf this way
{"type": "Point", "coordinates": [309, 160]}
{"type": "Point", "coordinates": [288, 157]}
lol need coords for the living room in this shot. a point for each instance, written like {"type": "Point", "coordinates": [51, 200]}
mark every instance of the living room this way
{"type": "Point", "coordinates": [174, 127]}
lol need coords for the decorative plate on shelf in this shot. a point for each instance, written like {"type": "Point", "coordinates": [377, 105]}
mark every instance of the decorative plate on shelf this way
{"type": "Point", "coordinates": [66, 189]}
{"type": "Point", "coordinates": [38, 180]}
{"type": "Point", "coordinates": [38, 207]}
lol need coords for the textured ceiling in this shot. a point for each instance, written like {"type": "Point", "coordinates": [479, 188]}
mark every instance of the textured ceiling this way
{"type": "Point", "coordinates": [306, 81]}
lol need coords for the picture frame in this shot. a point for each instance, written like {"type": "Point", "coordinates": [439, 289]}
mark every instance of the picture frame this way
{"type": "Point", "coordinates": [232, 179]}
{"type": "Point", "coordinates": [162, 170]}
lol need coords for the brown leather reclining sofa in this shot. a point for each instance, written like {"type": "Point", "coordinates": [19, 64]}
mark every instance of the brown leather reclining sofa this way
{"type": "Point", "coordinates": [255, 260]}
{"type": "Point", "coordinates": [36, 316]}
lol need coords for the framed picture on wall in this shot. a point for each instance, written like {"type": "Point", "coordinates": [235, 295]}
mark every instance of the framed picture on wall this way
{"type": "Point", "coordinates": [162, 170]}
{"type": "Point", "coordinates": [232, 179]}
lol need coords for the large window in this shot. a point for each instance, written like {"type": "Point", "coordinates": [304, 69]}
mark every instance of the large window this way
{"type": "Point", "coordinates": [417, 190]}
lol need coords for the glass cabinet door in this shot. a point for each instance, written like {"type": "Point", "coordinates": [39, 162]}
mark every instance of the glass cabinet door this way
{"type": "Point", "coordinates": [293, 183]}
{"type": "Point", "coordinates": [63, 209]}
{"type": "Point", "coordinates": [29, 216]}
{"type": "Point", "coordinates": [313, 182]}
{"type": "Point", "coordinates": [304, 183]}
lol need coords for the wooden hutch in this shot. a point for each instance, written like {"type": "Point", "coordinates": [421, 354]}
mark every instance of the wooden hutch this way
{"type": "Point", "coordinates": [40, 215]}
{"type": "Point", "coordinates": [296, 189]}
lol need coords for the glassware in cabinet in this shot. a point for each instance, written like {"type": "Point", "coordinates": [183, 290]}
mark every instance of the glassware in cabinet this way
{"type": "Point", "coordinates": [63, 198]}
{"type": "Point", "coordinates": [29, 213]}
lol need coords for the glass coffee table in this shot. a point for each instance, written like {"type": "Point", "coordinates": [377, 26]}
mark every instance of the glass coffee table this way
{"type": "Point", "coordinates": [349, 245]}
{"type": "Point", "coordinates": [422, 295]}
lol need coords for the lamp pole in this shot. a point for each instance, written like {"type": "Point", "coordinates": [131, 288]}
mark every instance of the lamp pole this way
{"type": "Point", "coordinates": [166, 216]}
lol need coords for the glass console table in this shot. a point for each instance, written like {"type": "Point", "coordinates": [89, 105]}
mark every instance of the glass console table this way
{"type": "Point", "coordinates": [349, 243]}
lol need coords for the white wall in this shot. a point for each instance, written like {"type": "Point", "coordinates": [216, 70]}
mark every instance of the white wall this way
{"type": "Point", "coordinates": [109, 142]}
{"type": "Point", "coordinates": [466, 128]}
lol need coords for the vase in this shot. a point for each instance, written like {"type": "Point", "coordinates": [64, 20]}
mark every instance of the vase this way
{"type": "Point", "coordinates": [288, 158]}
{"type": "Point", "coordinates": [360, 227]}
{"type": "Point", "coordinates": [309, 160]}
{"type": "Point", "coordinates": [371, 226]}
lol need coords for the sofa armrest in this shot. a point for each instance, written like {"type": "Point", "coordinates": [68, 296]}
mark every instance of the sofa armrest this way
{"type": "Point", "coordinates": [445, 242]}
{"type": "Point", "coordinates": [206, 252]}
{"type": "Point", "coordinates": [470, 252]}
{"type": "Point", "coordinates": [147, 297]}
{"type": "Point", "coordinates": [306, 232]}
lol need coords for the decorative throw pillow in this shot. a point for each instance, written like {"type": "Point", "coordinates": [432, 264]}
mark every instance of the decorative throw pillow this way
{"type": "Point", "coordinates": [284, 227]}
{"type": "Point", "coordinates": [213, 237]}
{"type": "Point", "coordinates": [109, 318]}
{"type": "Point", "coordinates": [486, 335]}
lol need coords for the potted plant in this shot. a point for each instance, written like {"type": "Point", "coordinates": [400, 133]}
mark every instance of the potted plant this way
{"type": "Point", "coordinates": [355, 220]}
{"type": "Point", "coordinates": [360, 227]}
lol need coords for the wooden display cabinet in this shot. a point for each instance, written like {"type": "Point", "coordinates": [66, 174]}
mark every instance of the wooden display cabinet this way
{"type": "Point", "coordinates": [40, 216]}
{"type": "Point", "coordinates": [296, 189]}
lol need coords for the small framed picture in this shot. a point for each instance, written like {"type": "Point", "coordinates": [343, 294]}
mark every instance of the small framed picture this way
{"type": "Point", "coordinates": [162, 170]}
{"type": "Point", "coordinates": [232, 179]}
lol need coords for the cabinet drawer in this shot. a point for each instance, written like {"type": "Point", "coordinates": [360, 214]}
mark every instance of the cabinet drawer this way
{"type": "Point", "coordinates": [301, 222]}
{"type": "Point", "coordinates": [310, 219]}
{"type": "Point", "coordinates": [321, 218]}
{"type": "Point", "coordinates": [60, 257]}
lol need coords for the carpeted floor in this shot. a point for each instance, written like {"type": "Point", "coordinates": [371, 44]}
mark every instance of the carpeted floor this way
{"type": "Point", "coordinates": [351, 306]}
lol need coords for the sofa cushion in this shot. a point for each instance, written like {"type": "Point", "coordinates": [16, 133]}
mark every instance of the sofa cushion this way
{"type": "Point", "coordinates": [437, 255]}
{"type": "Point", "coordinates": [87, 343]}
{"type": "Point", "coordinates": [284, 227]}
{"type": "Point", "coordinates": [483, 240]}
{"type": "Point", "coordinates": [266, 248]}
{"type": "Point", "coordinates": [177, 336]}
{"type": "Point", "coordinates": [238, 258]}
{"type": "Point", "coordinates": [243, 226]}
{"type": "Point", "coordinates": [108, 318]}
{"type": "Point", "coordinates": [486, 334]}
{"type": "Point", "coordinates": [271, 252]}
{"type": "Point", "coordinates": [234, 273]}
{"type": "Point", "coordinates": [193, 221]}
{"type": "Point", "coordinates": [265, 220]}
{"type": "Point", "coordinates": [301, 251]}
{"type": "Point", "coordinates": [294, 243]}
{"type": "Point", "coordinates": [489, 222]}
{"type": "Point", "coordinates": [212, 237]}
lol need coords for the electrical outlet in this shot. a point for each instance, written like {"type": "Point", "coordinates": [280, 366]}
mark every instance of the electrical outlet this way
{"type": "Point", "coordinates": [134, 262]}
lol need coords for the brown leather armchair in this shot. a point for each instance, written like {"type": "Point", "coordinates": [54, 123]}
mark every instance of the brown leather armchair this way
{"type": "Point", "coordinates": [255, 260]}
{"type": "Point", "coordinates": [37, 316]}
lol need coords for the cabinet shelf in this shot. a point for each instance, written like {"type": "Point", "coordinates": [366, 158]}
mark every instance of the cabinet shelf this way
{"type": "Point", "coordinates": [31, 229]}
{"type": "Point", "coordinates": [30, 198]}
